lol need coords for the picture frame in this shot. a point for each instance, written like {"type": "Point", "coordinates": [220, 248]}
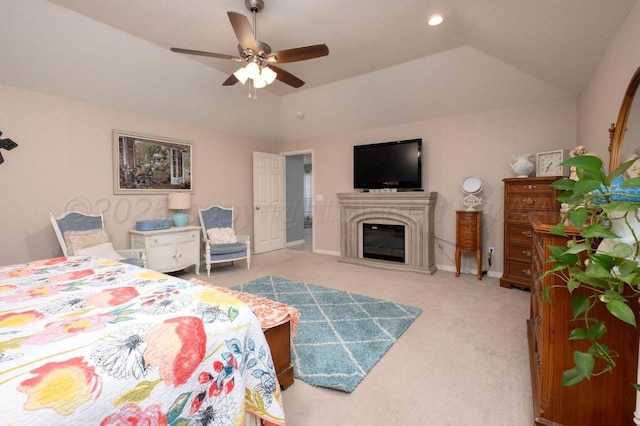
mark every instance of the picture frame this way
{"type": "Point", "coordinates": [151, 164]}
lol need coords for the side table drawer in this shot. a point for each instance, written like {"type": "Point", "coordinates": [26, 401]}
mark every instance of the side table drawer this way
{"type": "Point", "coordinates": [172, 239]}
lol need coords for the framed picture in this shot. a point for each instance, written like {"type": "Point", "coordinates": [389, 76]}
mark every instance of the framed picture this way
{"type": "Point", "coordinates": [149, 164]}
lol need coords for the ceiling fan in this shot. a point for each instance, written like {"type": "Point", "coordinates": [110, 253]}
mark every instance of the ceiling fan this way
{"type": "Point", "coordinates": [257, 55]}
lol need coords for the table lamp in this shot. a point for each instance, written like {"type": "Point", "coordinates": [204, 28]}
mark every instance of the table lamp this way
{"type": "Point", "coordinates": [180, 201]}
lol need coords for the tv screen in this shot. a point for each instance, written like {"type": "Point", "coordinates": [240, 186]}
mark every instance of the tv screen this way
{"type": "Point", "coordinates": [388, 165]}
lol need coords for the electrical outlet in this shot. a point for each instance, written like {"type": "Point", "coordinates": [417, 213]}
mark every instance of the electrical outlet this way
{"type": "Point", "coordinates": [491, 251]}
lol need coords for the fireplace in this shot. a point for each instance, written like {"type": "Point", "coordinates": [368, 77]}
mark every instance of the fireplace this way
{"type": "Point", "coordinates": [411, 211]}
{"type": "Point", "coordinates": [382, 241]}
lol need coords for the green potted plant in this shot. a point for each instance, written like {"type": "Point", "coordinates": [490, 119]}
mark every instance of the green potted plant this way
{"type": "Point", "coordinates": [602, 262]}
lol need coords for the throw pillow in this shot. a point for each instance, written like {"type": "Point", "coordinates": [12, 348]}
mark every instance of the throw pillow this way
{"type": "Point", "coordinates": [105, 250]}
{"type": "Point", "coordinates": [222, 236]}
{"type": "Point", "coordinates": [78, 240]}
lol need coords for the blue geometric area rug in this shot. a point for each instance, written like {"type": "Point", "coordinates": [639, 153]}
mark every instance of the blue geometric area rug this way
{"type": "Point", "coordinates": [341, 335]}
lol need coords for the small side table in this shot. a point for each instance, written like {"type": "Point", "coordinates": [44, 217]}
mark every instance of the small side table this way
{"type": "Point", "coordinates": [469, 237]}
{"type": "Point", "coordinates": [170, 249]}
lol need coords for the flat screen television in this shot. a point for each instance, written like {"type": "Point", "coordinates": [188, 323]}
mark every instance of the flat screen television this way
{"type": "Point", "coordinates": [395, 164]}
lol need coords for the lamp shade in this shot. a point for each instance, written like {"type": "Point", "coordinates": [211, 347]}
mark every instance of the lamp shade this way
{"type": "Point", "coordinates": [179, 200]}
{"type": "Point", "coordinates": [268, 74]}
{"type": "Point", "coordinates": [242, 75]}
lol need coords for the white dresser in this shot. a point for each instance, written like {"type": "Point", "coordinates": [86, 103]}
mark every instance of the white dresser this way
{"type": "Point", "coordinates": [170, 249]}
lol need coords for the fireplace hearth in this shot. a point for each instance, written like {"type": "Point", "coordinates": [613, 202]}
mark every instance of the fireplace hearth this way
{"type": "Point", "coordinates": [381, 241]}
{"type": "Point", "coordinates": [411, 211]}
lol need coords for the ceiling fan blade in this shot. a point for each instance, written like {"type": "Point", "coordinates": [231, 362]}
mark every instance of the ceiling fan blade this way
{"type": "Point", "coordinates": [287, 77]}
{"type": "Point", "coordinates": [243, 31]}
{"type": "Point", "coordinates": [230, 81]}
{"type": "Point", "coordinates": [298, 54]}
{"type": "Point", "coordinates": [209, 54]}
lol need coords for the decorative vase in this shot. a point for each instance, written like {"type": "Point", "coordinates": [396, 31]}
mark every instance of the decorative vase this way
{"type": "Point", "coordinates": [522, 165]}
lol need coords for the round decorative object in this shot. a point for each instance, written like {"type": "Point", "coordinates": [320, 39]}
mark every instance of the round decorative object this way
{"type": "Point", "coordinates": [471, 186]}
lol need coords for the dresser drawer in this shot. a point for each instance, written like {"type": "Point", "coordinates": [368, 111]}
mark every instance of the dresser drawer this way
{"type": "Point", "coordinates": [520, 271]}
{"type": "Point", "coordinates": [530, 202]}
{"type": "Point", "coordinates": [529, 187]}
{"type": "Point", "coordinates": [520, 252]}
{"type": "Point", "coordinates": [519, 233]}
{"type": "Point", "coordinates": [172, 239]}
{"type": "Point", "coordinates": [521, 216]}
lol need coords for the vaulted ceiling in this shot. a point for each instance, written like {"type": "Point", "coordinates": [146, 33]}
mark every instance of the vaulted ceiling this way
{"type": "Point", "coordinates": [486, 54]}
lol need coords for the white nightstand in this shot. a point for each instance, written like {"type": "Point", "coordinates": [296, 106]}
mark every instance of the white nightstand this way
{"type": "Point", "coordinates": [169, 249]}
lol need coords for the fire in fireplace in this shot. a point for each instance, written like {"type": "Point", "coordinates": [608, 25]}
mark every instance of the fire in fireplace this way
{"type": "Point", "coordinates": [382, 241]}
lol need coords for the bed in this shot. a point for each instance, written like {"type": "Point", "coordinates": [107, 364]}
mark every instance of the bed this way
{"type": "Point", "coordinates": [86, 340]}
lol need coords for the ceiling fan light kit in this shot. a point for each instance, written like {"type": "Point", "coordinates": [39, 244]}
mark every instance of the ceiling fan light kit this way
{"type": "Point", "coordinates": [257, 55]}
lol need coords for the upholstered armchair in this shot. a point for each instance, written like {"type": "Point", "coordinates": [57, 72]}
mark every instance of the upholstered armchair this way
{"type": "Point", "coordinates": [220, 241]}
{"type": "Point", "coordinates": [82, 234]}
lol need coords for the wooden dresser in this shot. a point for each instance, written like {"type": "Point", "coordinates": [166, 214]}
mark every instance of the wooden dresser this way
{"type": "Point", "coordinates": [469, 237]}
{"type": "Point", "coordinates": [522, 196]}
{"type": "Point", "coordinates": [608, 399]}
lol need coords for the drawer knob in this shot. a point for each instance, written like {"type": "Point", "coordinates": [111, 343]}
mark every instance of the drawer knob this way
{"type": "Point", "coordinates": [527, 272]}
{"type": "Point", "coordinates": [526, 253]}
{"type": "Point", "coordinates": [527, 234]}
{"type": "Point", "coordinates": [528, 201]}
{"type": "Point", "coordinates": [530, 187]}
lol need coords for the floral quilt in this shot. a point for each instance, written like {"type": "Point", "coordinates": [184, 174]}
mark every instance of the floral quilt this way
{"type": "Point", "coordinates": [86, 340]}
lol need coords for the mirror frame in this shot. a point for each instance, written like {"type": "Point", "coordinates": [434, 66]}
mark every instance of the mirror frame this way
{"type": "Point", "coordinates": [618, 130]}
{"type": "Point", "coordinates": [471, 185]}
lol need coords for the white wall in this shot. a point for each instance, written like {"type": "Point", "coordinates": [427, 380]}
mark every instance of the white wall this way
{"type": "Point", "coordinates": [454, 147]}
{"type": "Point", "coordinates": [64, 161]}
{"type": "Point", "coordinates": [599, 104]}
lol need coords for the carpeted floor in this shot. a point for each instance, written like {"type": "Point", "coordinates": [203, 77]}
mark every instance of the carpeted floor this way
{"type": "Point", "coordinates": [464, 361]}
{"type": "Point", "coordinates": [341, 335]}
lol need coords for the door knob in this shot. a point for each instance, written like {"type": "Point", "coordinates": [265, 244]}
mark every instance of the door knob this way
{"type": "Point", "coordinates": [257, 207]}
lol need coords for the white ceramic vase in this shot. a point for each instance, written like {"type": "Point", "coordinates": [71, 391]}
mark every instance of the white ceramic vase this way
{"type": "Point", "coordinates": [522, 165]}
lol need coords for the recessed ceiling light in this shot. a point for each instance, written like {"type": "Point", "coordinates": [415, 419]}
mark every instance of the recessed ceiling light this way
{"type": "Point", "coordinates": [435, 20]}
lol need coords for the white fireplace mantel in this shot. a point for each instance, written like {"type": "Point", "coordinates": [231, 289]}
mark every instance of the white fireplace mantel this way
{"type": "Point", "coordinates": [414, 210]}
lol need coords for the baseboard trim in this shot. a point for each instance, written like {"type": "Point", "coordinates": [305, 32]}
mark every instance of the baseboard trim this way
{"type": "Point", "coordinates": [492, 274]}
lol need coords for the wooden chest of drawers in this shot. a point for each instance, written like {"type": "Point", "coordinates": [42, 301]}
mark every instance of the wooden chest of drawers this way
{"type": "Point", "coordinates": [606, 399]}
{"type": "Point", "coordinates": [521, 197]}
{"type": "Point", "coordinates": [469, 237]}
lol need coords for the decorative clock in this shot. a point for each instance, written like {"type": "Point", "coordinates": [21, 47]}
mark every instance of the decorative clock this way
{"type": "Point", "coordinates": [548, 163]}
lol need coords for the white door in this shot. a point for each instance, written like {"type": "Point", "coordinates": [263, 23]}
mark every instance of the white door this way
{"type": "Point", "coordinates": [268, 202]}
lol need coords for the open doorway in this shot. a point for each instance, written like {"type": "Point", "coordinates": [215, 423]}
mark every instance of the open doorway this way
{"type": "Point", "coordinates": [299, 200]}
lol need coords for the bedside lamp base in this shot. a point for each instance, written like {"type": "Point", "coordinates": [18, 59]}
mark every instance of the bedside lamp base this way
{"type": "Point", "coordinates": [180, 219]}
